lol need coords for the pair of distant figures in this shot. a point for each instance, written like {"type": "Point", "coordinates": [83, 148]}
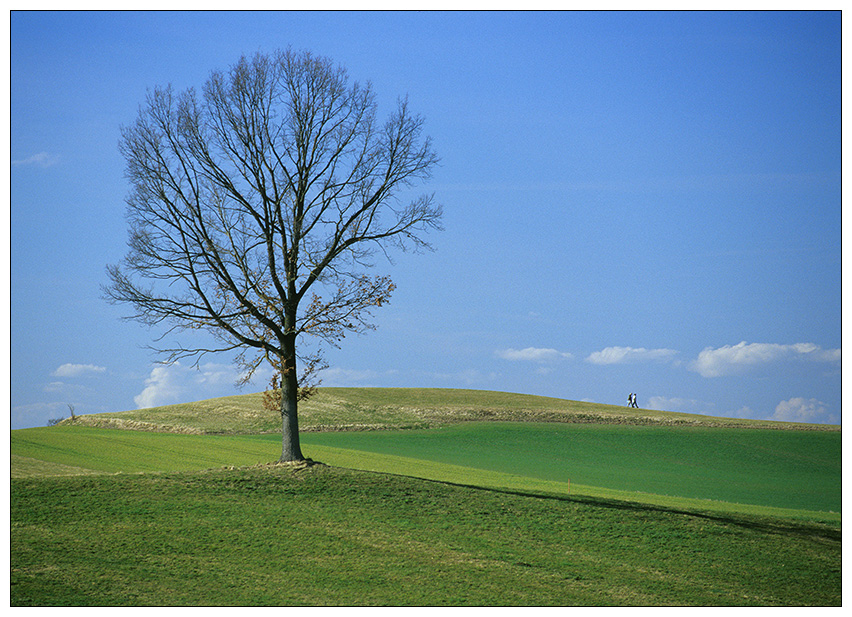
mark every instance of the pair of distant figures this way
{"type": "Point", "coordinates": [631, 400]}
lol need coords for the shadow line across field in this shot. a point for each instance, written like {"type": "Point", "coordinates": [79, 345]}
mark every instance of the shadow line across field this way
{"type": "Point", "coordinates": [817, 532]}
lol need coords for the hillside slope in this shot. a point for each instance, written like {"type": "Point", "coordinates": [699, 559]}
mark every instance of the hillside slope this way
{"type": "Point", "coordinates": [329, 536]}
{"type": "Point", "coordinates": [334, 409]}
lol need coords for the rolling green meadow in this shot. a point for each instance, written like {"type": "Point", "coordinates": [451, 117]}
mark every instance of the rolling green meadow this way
{"type": "Point", "coordinates": [451, 498]}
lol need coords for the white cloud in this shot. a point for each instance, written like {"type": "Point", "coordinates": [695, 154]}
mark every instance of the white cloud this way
{"type": "Point", "coordinates": [42, 159]}
{"type": "Point", "coordinates": [37, 414]}
{"type": "Point", "coordinates": [163, 387]}
{"type": "Point", "coordinates": [344, 377]}
{"type": "Point", "coordinates": [745, 412]}
{"type": "Point", "coordinates": [77, 370]}
{"type": "Point", "coordinates": [732, 359]}
{"type": "Point", "coordinates": [804, 410]}
{"type": "Point", "coordinates": [622, 355]}
{"type": "Point", "coordinates": [64, 389]}
{"type": "Point", "coordinates": [175, 383]}
{"type": "Point", "coordinates": [531, 354]}
{"type": "Point", "coordinates": [214, 374]}
{"type": "Point", "coordinates": [685, 405]}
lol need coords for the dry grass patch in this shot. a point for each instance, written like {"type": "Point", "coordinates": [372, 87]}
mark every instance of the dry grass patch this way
{"type": "Point", "coordinates": [335, 409]}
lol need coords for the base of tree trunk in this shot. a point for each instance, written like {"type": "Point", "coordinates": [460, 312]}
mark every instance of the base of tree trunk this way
{"type": "Point", "coordinates": [297, 465]}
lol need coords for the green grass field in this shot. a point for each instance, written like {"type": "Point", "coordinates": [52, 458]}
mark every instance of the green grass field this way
{"type": "Point", "coordinates": [644, 510]}
{"type": "Point", "coordinates": [330, 536]}
{"type": "Point", "coordinates": [781, 469]}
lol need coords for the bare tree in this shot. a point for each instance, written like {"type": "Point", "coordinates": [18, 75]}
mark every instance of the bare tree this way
{"type": "Point", "coordinates": [257, 207]}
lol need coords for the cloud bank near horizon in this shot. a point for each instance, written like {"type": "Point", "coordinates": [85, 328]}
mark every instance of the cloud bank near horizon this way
{"type": "Point", "coordinates": [735, 359]}
{"type": "Point", "coordinates": [800, 409]}
{"type": "Point", "coordinates": [532, 354]}
{"type": "Point", "coordinates": [710, 362]}
{"type": "Point", "coordinates": [42, 159]}
{"type": "Point", "coordinates": [77, 370]}
{"type": "Point", "coordinates": [623, 355]}
{"type": "Point", "coordinates": [175, 383]}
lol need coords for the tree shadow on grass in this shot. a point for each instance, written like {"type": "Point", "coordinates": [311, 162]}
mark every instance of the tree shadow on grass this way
{"type": "Point", "coordinates": [825, 534]}
{"type": "Point", "coordinates": [821, 533]}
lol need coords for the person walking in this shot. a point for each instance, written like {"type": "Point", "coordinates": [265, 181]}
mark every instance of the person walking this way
{"type": "Point", "coordinates": [633, 402]}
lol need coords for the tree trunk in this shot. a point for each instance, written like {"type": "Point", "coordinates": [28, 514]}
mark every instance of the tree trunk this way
{"type": "Point", "coordinates": [290, 448]}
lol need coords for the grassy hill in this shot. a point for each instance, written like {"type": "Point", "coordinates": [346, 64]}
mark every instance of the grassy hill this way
{"type": "Point", "coordinates": [326, 536]}
{"type": "Point", "coordinates": [653, 457]}
{"type": "Point", "coordinates": [187, 510]}
{"type": "Point", "coordinates": [385, 408]}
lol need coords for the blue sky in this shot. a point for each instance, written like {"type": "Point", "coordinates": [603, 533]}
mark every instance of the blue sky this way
{"type": "Point", "coordinates": [634, 202]}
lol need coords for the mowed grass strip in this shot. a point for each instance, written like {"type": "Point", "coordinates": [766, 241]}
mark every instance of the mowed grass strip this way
{"type": "Point", "coordinates": [328, 536]}
{"type": "Point", "coordinates": [780, 469]}
{"type": "Point", "coordinates": [123, 451]}
{"type": "Point", "coordinates": [484, 478]}
{"type": "Point", "coordinates": [786, 473]}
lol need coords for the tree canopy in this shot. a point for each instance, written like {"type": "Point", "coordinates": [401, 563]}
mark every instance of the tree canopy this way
{"type": "Point", "coordinates": [258, 207]}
